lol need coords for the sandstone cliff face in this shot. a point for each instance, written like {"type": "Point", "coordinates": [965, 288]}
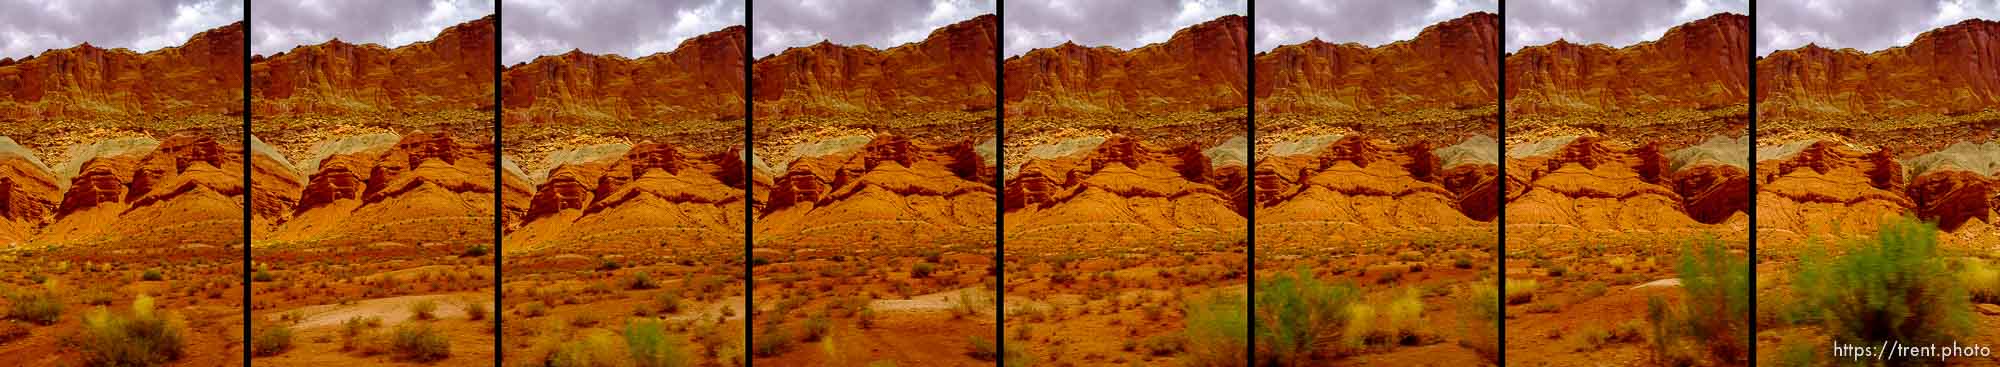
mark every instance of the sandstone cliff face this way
{"type": "Point", "coordinates": [891, 190]}
{"type": "Point", "coordinates": [1122, 190]}
{"type": "Point", "coordinates": [429, 186]}
{"type": "Point", "coordinates": [1450, 66]}
{"type": "Point", "coordinates": [1200, 69]}
{"type": "Point", "coordinates": [949, 71]}
{"type": "Point", "coordinates": [203, 77]}
{"type": "Point", "coordinates": [1698, 66]}
{"type": "Point", "coordinates": [1953, 70]}
{"type": "Point", "coordinates": [702, 79]}
{"type": "Point", "coordinates": [452, 72]}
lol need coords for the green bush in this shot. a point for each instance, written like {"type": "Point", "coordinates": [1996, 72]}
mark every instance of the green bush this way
{"type": "Point", "coordinates": [641, 281]}
{"type": "Point", "coordinates": [272, 340]}
{"type": "Point", "coordinates": [40, 307]}
{"type": "Point", "coordinates": [1298, 316]}
{"type": "Point", "coordinates": [1893, 287]}
{"type": "Point", "coordinates": [922, 270]}
{"type": "Point", "coordinates": [1717, 306]}
{"type": "Point", "coordinates": [983, 349]}
{"type": "Point", "coordinates": [424, 310]}
{"type": "Point", "coordinates": [1522, 291]}
{"type": "Point", "coordinates": [1217, 332]}
{"type": "Point", "coordinates": [420, 343]}
{"type": "Point", "coordinates": [474, 251]}
{"type": "Point", "coordinates": [816, 327]}
{"type": "Point", "coordinates": [650, 346]}
{"type": "Point", "coordinates": [667, 303]}
{"type": "Point", "coordinates": [1981, 280]}
{"type": "Point", "coordinates": [152, 275]}
{"type": "Point", "coordinates": [594, 350]}
{"type": "Point", "coordinates": [532, 309]}
{"type": "Point", "coordinates": [475, 311]}
{"type": "Point", "coordinates": [773, 342]}
{"type": "Point", "coordinates": [142, 339]}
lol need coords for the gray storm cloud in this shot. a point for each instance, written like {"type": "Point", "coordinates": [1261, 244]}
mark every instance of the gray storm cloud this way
{"type": "Point", "coordinates": [1370, 22]}
{"type": "Point", "coordinates": [1613, 23]}
{"type": "Point", "coordinates": [780, 24]}
{"type": "Point", "coordinates": [28, 27]}
{"type": "Point", "coordinates": [1867, 25]}
{"type": "Point", "coordinates": [632, 28]}
{"type": "Point", "coordinates": [280, 25]}
{"type": "Point", "coordinates": [1032, 24]}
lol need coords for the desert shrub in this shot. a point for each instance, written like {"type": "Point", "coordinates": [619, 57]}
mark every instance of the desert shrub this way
{"type": "Point", "coordinates": [641, 281]}
{"type": "Point", "coordinates": [420, 343]}
{"type": "Point", "coordinates": [1892, 287]}
{"type": "Point", "coordinates": [1298, 316]}
{"type": "Point", "coordinates": [584, 320]}
{"type": "Point", "coordinates": [271, 340]}
{"type": "Point", "coordinates": [1717, 305]}
{"type": "Point", "coordinates": [1403, 314]}
{"type": "Point", "coordinates": [424, 310]}
{"type": "Point", "coordinates": [667, 302]}
{"type": "Point", "coordinates": [98, 297]}
{"type": "Point", "coordinates": [1799, 353]}
{"type": "Point", "coordinates": [474, 251]}
{"type": "Point", "coordinates": [144, 338]}
{"type": "Point", "coordinates": [1981, 280]}
{"type": "Point", "coordinates": [152, 275]}
{"type": "Point", "coordinates": [532, 309]}
{"type": "Point", "coordinates": [922, 270]}
{"type": "Point", "coordinates": [983, 349]}
{"type": "Point", "coordinates": [475, 311]}
{"type": "Point", "coordinates": [594, 350]}
{"type": "Point", "coordinates": [650, 346]}
{"type": "Point", "coordinates": [1521, 291]}
{"type": "Point", "coordinates": [1360, 322]}
{"type": "Point", "coordinates": [816, 327]}
{"type": "Point", "coordinates": [1593, 290]}
{"type": "Point", "coordinates": [261, 276]}
{"type": "Point", "coordinates": [1164, 345]}
{"type": "Point", "coordinates": [1217, 332]}
{"type": "Point", "coordinates": [866, 317]}
{"type": "Point", "coordinates": [773, 342]}
{"type": "Point", "coordinates": [1482, 333]}
{"type": "Point", "coordinates": [1590, 338]}
{"type": "Point", "coordinates": [39, 307]}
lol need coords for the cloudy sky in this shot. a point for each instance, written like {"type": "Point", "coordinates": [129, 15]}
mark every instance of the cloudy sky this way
{"type": "Point", "coordinates": [28, 27]}
{"type": "Point", "coordinates": [632, 28]}
{"type": "Point", "coordinates": [1370, 22]}
{"type": "Point", "coordinates": [278, 25]}
{"type": "Point", "coordinates": [1125, 24]}
{"type": "Point", "coordinates": [1867, 25]}
{"type": "Point", "coordinates": [1613, 23]}
{"type": "Point", "coordinates": [782, 24]}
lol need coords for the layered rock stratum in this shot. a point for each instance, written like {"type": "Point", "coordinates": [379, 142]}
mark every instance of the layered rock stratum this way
{"type": "Point", "coordinates": [1360, 143]}
{"type": "Point", "coordinates": [629, 153]}
{"type": "Point", "coordinates": [1849, 140]}
{"type": "Point", "coordinates": [1644, 139]}
{"type": "Point", "coordinates": [111, 147]}
{"type": "Point", "coordinates": [858, 145]}
{"type": "Point", "coordinates": [1142, 146]}
{"type": "Point", "coordinates": [363, 144]}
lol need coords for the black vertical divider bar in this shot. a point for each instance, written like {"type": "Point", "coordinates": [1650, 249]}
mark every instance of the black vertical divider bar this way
{"type": "Point", "coordinates": [1250, 163]}
{"type": "Point", "coordinates": [247, 188]}
{"type": "Point", "coordinates": [749, 193]}
{"type": "Point", "coordinates": [499, 335]}
{"type": "Point", "coordinates": [1000, 183]}
{"type": "Point", "coordinates": [1500, 221]}
{"type": "Point", "coordinates": [1752, 127]}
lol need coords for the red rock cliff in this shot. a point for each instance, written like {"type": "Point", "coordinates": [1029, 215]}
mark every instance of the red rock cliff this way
{"type": "Point", "coordinates": [1695, 66]}
{"type": "Point", "coordinates": [452, 72]}
{"type": "Point", "coordinates": [1449, 66]}
{"type": "Point", "coordinates": [1951, 70]}
{"type": "Point", "coordinates": [949, 71]}
{"type": "Point", "coordinates": [1201, 68]}
{"type": "Point", "coordinates": [202, 77]}
{"type": "Point", "coordinates": [702, 79]}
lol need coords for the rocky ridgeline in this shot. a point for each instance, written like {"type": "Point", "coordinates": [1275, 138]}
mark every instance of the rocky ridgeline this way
{"type": "Point", "coordinates": [1587, 183]}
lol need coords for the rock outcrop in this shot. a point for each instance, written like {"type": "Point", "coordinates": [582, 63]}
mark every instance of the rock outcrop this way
{"type": "Point", "coordinates": [1123, 190]}
{"type": "Point", "coordinates": [651, 195]}
{"type": "Point", "coordinates": [1449, 69]}
{"type": "Point", "coordinates": [451, 72]}
{"type": "Point", "coordinates": [1587, 184]}
{"type": "Point", "coordinates": [1698, 68]}
{"type": "Point", "coordinates": [950, 70]}
{"type": "Point", "coordinates": [1369, 183]}
{"type": "Point", "coordinates": [1199, 69]}
{"type": "Point", "coordinates": [701, 80]}
{"type": "Point", "coordinates": [203, 77]}
{"type": "Point", "coordinates": [431, 186]}
{"type": "Point", "coordinates": [1950, 71]}
{"type": "Point", "coordinates": [893, 189]}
